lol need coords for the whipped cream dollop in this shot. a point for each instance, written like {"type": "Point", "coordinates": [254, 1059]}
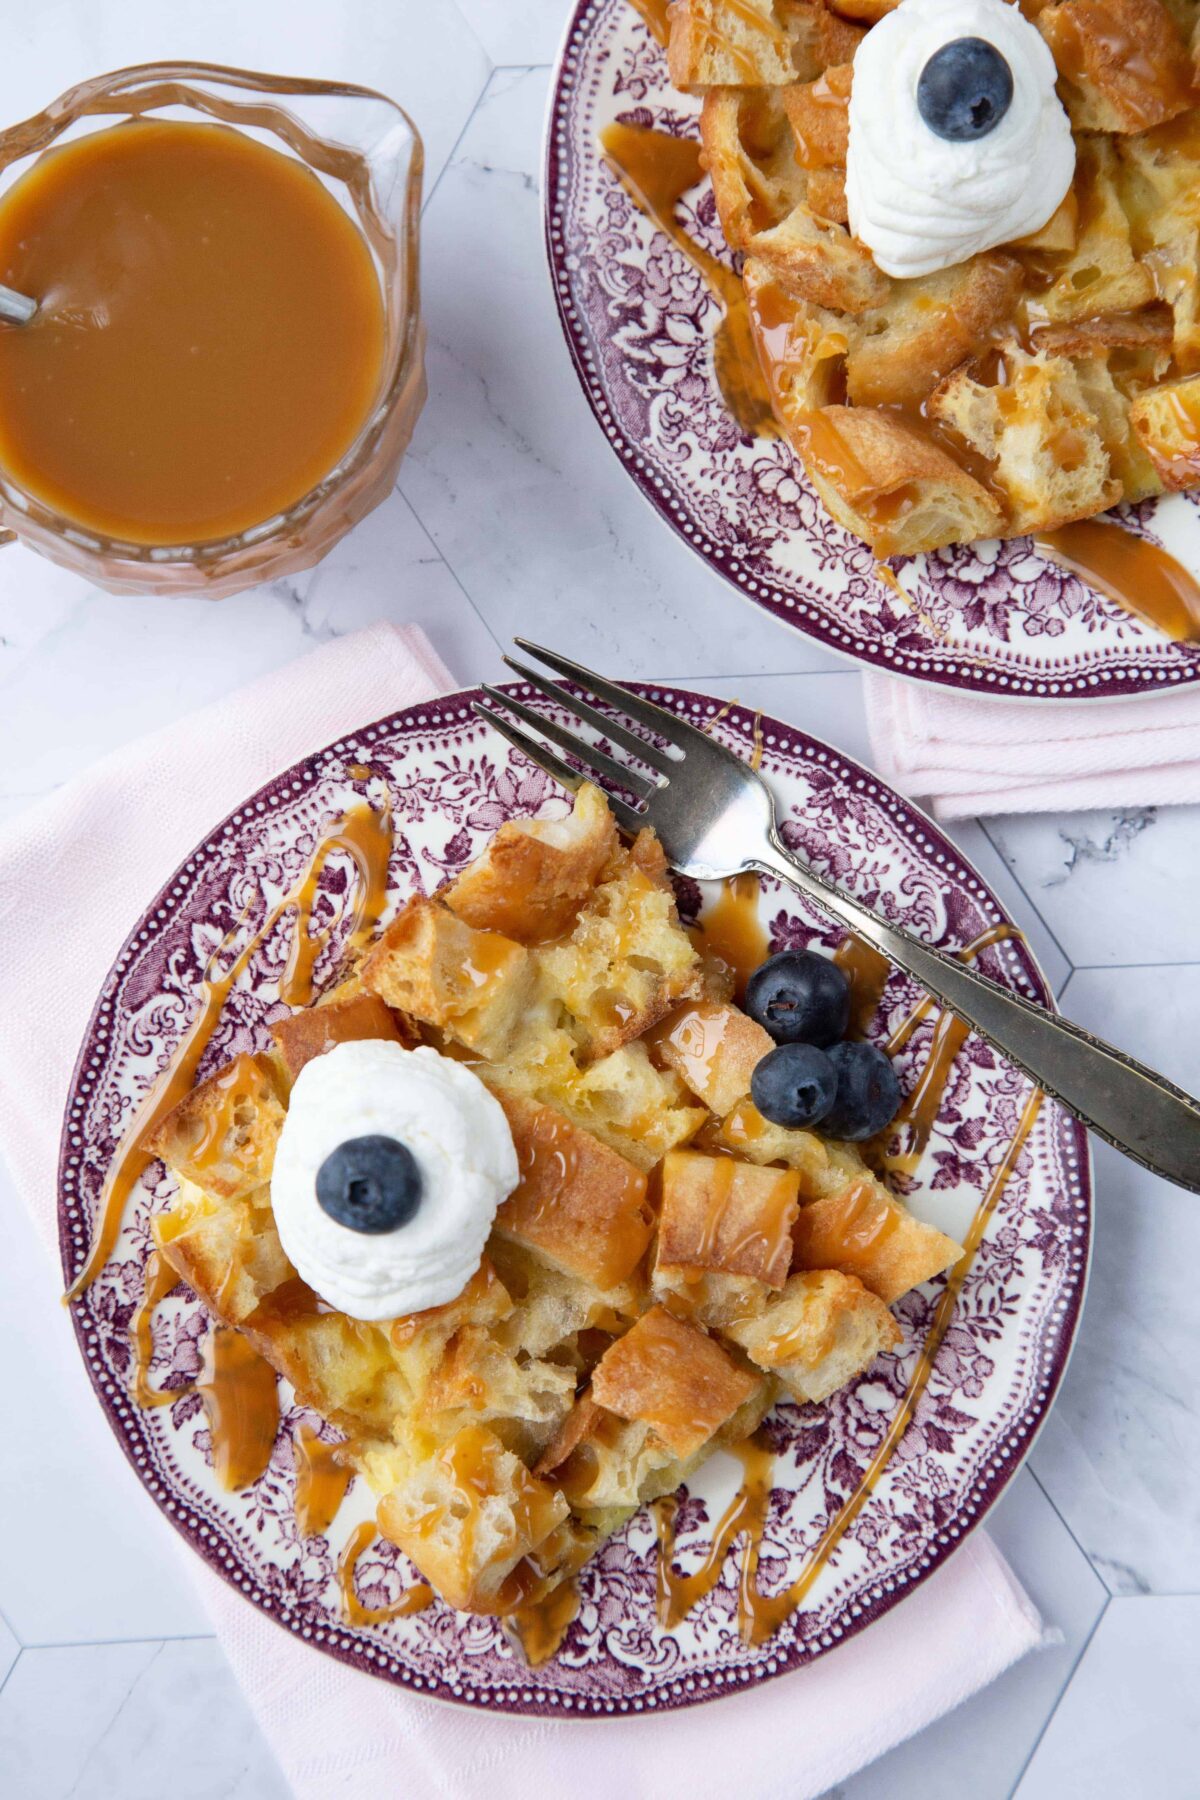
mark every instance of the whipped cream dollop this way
{"type": "Point", "coordinates": [920, 202]}
{"type": "Point", "coordinates": [462, 1146]}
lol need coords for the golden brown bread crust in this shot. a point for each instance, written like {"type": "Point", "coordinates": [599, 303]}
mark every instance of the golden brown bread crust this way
{"type": "Point", "coordinates": [1123, 64]}
{"type": "Point", "coordinates": [1167, 422]}
{"type": "Point", "coordinates": [865, 1231]}
{"type": "Point", "coordinates": [714, 1047]}
{"type": "Point", "coordinates": [535, 874]}
{"type": "Point", "coordinates": [223, 1134]}
{"type": "Point", "coordinates": [315, 1029]}
{"type": "Point", "coordinates": [718, 1215]}
{"type": "Point", "coordinates": [887, 481]}
{"type": "Point", "coordinates": [899, 352]}
{"type": "Point", "coordinates": [475, 985]}
{"type": "Point", "coordinates": [674, 1378]}
{"type": "Point", "coordinates": [578, 1203]}
{"type": "Point", "coordinates": [821, 1331]}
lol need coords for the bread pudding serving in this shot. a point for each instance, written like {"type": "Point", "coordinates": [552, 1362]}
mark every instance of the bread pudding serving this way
{"type": "Point", "coordinates": [970, 243]}
{"type": "Point", "coordinates": [502, 1207]}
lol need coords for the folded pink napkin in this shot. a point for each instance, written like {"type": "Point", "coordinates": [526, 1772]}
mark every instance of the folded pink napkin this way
{"type": "Point", "coordinates": [968, 756]}
{"type": "Point", "coordinates": [78, 869]}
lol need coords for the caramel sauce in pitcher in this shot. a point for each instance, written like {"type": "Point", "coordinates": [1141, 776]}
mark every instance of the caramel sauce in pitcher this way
{"type": "Point", "coordinates": [209, 339]}
{"type": "Point", "coordinates": [366, 836]}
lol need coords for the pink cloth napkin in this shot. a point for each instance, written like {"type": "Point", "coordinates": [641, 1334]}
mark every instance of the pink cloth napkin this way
{"type": "Point", "coordinates": [78, 869]}
{"type": "Point", "coordinates": [965, 756]}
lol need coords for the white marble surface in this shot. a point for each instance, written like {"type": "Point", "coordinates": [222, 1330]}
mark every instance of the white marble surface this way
{"type": "Point", "coordinates": [512, 513]}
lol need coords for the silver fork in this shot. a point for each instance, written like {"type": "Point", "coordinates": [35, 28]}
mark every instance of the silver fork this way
{"type": "Point", "coordinates": [715, 817]}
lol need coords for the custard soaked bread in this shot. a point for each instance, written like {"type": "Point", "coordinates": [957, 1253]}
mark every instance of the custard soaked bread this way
{"type": "Point", "coordinates": [651, 1282]}
{"type": "Point", "coordinates": [1016, 389]}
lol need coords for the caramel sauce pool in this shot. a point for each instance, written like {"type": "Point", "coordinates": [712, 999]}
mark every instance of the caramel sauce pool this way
{"type": "Point", "coordinates": [731, 929]}
{"type": "Point", "coordinates": [210, 338]}
{"type": "Point", "coordinates": [1137, 574]}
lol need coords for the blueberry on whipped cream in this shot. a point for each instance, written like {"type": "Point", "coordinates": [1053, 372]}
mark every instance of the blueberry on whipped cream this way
{"type": "Point", "coordinates": [958, 140]}
{"type": "Point", "coordinates": [370, 1184]}
{"type": "Point", "coordinates": [965, 90]}
{"type": "Point", "coordinates": [388, 1172]}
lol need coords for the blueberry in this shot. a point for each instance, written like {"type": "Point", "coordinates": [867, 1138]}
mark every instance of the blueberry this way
{"type": "Point", "coordinates": [794, 1085]}
{"type": "Point", "coordinates": [868, 1093]}
{"type": "Point", "coordinates": [369, 1184]}
{"type": "Point", "coordinates": [800, 998]}
{"type": "Point", "coordinates": [965, 90]}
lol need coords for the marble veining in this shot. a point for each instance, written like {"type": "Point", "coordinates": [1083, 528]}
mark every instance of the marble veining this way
{"type": "Point", "coordinates": [512, 515]}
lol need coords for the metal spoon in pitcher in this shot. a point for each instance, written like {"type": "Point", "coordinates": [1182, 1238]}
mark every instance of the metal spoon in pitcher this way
{"type": "Point", "coordinates": [17, 308]}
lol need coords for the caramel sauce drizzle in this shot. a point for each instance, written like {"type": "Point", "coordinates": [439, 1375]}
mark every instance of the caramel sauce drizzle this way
{"type": "Point", "coordinates": [653, 14]}
{"type": "Point", "coordinates": [760, 1615]}
{"type": "Point", "coordinates": [366, 837]}
{"type": "Point", "coordinates": [867, 971]}
{"type": "Point", "coordinates": [413, 1600]}
{"type": "Point", "coordinates": [158, 1279]}
{"type": "Point", "coordinates": [321, 1482]}
{"type": "Point", "coordinates": [237, 1386]}
{"type": "Point", "coordinates": [656, 170]}
{"type": "Point", "coordinates": [732, 930]}
{"type": "Point", "coordinates": [539, 1628]}
{"type": "Point", "coordinates": [1140, 576]}
{"type": "Point", "coordinates": [241, 1402]}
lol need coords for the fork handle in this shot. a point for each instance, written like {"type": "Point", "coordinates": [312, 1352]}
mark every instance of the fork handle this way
{"type": "Point", "coordinates": [1124, 1102]}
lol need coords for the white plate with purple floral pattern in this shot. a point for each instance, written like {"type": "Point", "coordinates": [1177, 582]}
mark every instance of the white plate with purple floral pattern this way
{"type": "Point", "coordinates": [957, 1422]}
{"type": "Point", "coordinates": [987, 618]}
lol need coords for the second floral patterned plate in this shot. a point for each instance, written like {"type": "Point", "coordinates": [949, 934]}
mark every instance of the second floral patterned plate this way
{"type": "Point", "coordinates": [639, 316]}
{"type": "Point", "coordinates": [866, 1496]}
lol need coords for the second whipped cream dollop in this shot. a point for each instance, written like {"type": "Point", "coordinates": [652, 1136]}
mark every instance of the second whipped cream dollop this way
{"type": "Point", "coordinates": [920, 202]}
{"type": "Point", "coordinates": [459, 1138]}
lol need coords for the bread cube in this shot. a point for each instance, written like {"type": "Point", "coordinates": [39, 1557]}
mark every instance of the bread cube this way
{"type": "Point", "coordinates": [468, 1516]}
{"type": "Point", "coordinates": [1123, 62]}
{"type": "Point", "coordinates": [578, 1203]}
{"type": "Point", "coordinates": [822, 1330]}
{"type": "Point", "coordinates": [1167, 422]}
{"type": "Point", "coordinates": [865, 1231]}
{"type": "Point", "coordinates": [476, 985]}
{"type": "Point", "coordinates": [725, 1217]}
{"type": "Point", "coordinates": [313, 1030]}
{"type": "Point", "coordinates": [535, 874]}
{"type": "Point", "coordinates": [672, 1377]}
{"type": "Point", "coordinates": [1042, 435]}
{"type": "Point", "coordinates": [222, 1135]}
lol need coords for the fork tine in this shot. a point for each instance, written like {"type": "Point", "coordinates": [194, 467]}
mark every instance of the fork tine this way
{"type": "Point", "coordinates": [654, 718]}
{"type": "Point", "coordinates": [520, 740]}
{"type": "Point", "coordinates": [574, 746]}
{"type": "Point", "coordinates": [612, 728]}
{"type": "Point", "coordinates": [554, 766]}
